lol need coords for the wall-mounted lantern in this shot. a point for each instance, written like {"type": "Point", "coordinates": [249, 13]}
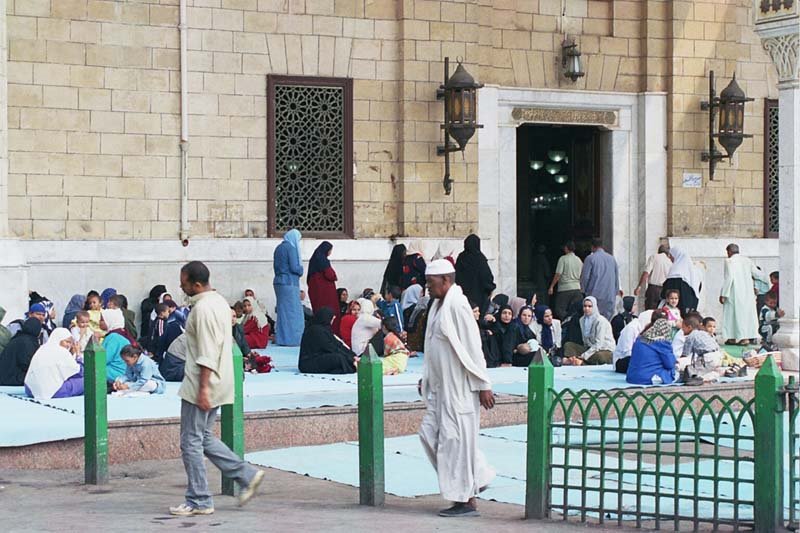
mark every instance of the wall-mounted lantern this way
{"type": "Point", "coordinates": [459, 93]}
{"type": "Point", "coordinates": [730, 105]}
{"type": "Point", "coordinates": [571, 59]}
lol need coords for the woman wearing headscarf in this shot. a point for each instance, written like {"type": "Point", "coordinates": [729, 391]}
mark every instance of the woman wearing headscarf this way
{"type": "Point", "coordinates": [343, 297]}
{"type": "Point", "coordinates": [597, 339]}
{"type": "Point", "coordinates": [365, 329]}
{"type": "Point", "coordinates": [622, 319]}
{"type": "Point", "coordinates": [622, 353]}
{"type": "Point", "coordinates": [683, 277]}
{"type": "Point", "coordinates": [393, 274]}
{"type": "Point", "coordinates": [321, 352]}
{"type": "Point", "coordinates": [106, 295]}
{"type": "Point", "coordinates": [444, 251]}
{"type": "Point", "coordinates": [408, 301]}
{"type": "Point", "coordinates": [54, 372]}
{"type": "Point", "coordinates": [571, 325]}
{"type": "Point", "coordinates": [255, 325]}
{"type": "Point", "coordinates": [322, 283]}
{"type": "Point", "coordinates": [473, 274]}
{"type": "Point", "coordinates": [16, 356]}
{"type": "Point", "coordinates": [147, 307]}
{"type": "Point", "coordinates": [546, 328]}
{"type": "Point", "coordinates": [75, 304]}
{"type": "Point", "coordinates": [503, 331]}
{"type": "Point", "coordinates": [413, 266]}
{"type": "Point", "coordinates": [113, 322]}
{"type": "Point", "coordinates": [288, 270]}
{"type": "Point", "coordinates": [348, 321]}
{"type": "Point", "coordinates": [652, 361]}
{"type": "Point", "coordinates": [174, 328]}
{"type": "Point", "coordinates": [417, 323]}
{"type": "Point", "coordinates": [522, 349]}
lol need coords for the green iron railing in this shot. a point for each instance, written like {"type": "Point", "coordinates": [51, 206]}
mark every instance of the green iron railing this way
{"type": "Point", "coordinates": [679, 461]}
{"type": "Point", "coordinates": [793, 455]}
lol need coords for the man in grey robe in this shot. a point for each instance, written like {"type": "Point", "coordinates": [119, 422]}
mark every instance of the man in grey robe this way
{"type": "Point", "coordinates": [600, 278]}
{"type": "Point", "coordinates": [454, 386]}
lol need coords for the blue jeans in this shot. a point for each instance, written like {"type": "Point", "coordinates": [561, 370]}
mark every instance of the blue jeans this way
{"type": "Point", "coordinates": [198, 440]}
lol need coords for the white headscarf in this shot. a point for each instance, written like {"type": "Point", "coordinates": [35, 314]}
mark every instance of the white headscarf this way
{"type": "Point", "coordinates": [440, 254]}
{"type": "Point", "coordinates": [683, 268]}
{"type": "Point", "coordinates": [367, 307]}
{"type": "Point", "coordinates": [410, 296]}
{"type": "Point", "coordinates": [113, 318]}
{"type": "Point", "coordinates": [587, 322]}
{"type": "Point", "coordinates": [414, 247]}
{"type": "Point", "coordinates": [51, 366]}
{"type": "Point", "coordinates": [256, 312]}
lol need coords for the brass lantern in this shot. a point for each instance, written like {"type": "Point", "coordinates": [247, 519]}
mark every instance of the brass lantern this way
{"type": "Point", "coordinates": [571, 60]}
{"type": "Point", "coordinates": [730, 105]}
{"type": "Point", "coordinates": [459, 93]}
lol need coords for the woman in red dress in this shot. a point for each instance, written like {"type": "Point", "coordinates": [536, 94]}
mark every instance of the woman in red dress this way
{"type": "Point", "coordinates": [255, 324]}
{"type": "Point", "coordinates": [322, 283]}
{"type": "Point", "coordinates": [346, 328]}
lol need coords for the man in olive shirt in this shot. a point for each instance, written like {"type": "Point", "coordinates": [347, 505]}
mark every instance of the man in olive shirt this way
{"type": "Point", "coordinates": [207, 384]}
{"type": "Point", "coordinates": [568, 278]}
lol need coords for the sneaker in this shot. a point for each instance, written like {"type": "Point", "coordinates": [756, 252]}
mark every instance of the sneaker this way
{"type": "Point", "coordinates": [249, 491]}
{"type": "Point", "coordinates": [459, 509]}
{"type": "Point", "coordinates": [185, 509]}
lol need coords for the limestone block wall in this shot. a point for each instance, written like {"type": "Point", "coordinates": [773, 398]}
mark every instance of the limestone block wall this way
{"type": "Point", "coordinates": [716, 36]}
{"type": "Point", "coordinates": [93, 104]}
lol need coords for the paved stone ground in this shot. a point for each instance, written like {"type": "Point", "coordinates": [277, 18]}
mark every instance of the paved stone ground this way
{"type": "Point", "coordinates": [137, 497]}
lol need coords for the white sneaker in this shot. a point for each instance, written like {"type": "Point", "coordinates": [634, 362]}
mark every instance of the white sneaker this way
{"type": "Point", "coordinates": [185, 509]}
{"type": "Point", "coordinates": [249, 491]}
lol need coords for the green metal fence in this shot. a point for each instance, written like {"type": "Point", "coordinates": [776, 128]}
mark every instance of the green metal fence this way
{"type": "Point", "coordinates": [664, 461]}
{"type": "Point", "coordinates": [793, 455]}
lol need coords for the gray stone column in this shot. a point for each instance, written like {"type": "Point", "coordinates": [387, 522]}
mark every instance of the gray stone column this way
{"type": "Point", "coordinates": [779, 30]}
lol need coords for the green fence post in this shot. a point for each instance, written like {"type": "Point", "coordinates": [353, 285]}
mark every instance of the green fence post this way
{"type": "Point", "coordinates": [769, 403]}
{"type": "Point", "coordinates": [232, 422]}
{"type": "Point", "coordinates": [370, 429]}
{"type": "Point", "coordinates": [95, 419]}
{"type": "Point", "coordinates": [540, 398]}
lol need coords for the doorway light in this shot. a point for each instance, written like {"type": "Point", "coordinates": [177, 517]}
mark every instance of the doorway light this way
{"type": "Point", "coordinates": [557, 155]}
{"type": "Point", "coordinates": [552, 168]}
{"type": "Point", "coordinates": [536, 164]}
{"type": "Point", "coordinates": [561, 178]}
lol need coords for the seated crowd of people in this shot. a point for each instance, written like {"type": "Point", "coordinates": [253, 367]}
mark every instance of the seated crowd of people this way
{"type": "Point", "coordinates": [668, 342]}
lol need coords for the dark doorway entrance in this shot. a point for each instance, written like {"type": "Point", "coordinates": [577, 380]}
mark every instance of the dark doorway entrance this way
{"type": "Point", "coordinates": [558, 199]}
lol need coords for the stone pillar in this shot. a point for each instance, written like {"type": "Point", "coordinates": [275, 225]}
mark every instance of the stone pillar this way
{"type": "Point", "coordinates": [13, 270]}
{"type": "Point", "coordinates": [779, 30]}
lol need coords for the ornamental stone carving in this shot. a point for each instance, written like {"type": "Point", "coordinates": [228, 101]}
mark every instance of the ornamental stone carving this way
{"type": "Point", "coordinates": [564, 116]}
{"type": "Point", "coordinates": [785, 52]}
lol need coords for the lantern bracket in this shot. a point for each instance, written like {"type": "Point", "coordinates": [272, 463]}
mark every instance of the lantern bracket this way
{"type": "Point", "coordinates": [458, 93]}
{"type": "Point", "coordinates": [713, 105]}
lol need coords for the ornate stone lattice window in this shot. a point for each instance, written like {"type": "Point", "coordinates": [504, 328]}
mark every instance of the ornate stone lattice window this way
{"type": "Point", "coordinates": [310, 155]}
{"type": "Point", "coordinates": [771, 168]}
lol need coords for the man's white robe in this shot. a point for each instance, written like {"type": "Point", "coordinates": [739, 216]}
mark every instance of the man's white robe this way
{"type": "Point", "coordinates": [454, 373]}
{"type": "Point", "coordinates": [740, 317]}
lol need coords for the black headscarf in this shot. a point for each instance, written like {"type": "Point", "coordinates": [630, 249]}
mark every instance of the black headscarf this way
{"type": "Point", "coordinates": [319, 261]}
{"type": "Point", "coordinates": [147, 306]}
{"type": "Point", "coordinates": [320, 351]}
{"type": "Point", "coordinates": [473, 274]}
{"type": "Point", "coordinates": [17, 355]}
{"type": "Point", "coordinates": [394, 270]}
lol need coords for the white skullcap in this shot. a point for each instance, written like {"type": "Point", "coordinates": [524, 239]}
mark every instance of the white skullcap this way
{"type": "Point", "coordinates": [439, 267]}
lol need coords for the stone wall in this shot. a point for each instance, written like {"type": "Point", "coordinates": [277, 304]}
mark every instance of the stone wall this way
{"type": "Point", "coordinates": [94, 104]}
{"type": "Point", "coordinates": [716, 36]}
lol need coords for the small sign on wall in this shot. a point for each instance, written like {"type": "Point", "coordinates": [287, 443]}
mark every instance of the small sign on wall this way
{"type": "Point", "coordinates": [692, 180]}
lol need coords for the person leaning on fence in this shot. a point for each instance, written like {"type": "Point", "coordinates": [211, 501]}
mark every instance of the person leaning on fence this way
{"type": "Point", "coordinates": [207, 384]}
{"type": "Point", "coordinates": [454, 386]}
{"type": "Point", "coordinates": [597, 338]}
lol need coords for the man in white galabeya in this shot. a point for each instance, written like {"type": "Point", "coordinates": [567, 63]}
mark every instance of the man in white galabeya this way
{"type": "Point", "coordinates": [207, 384]}
{"type": "Point", "coordinates": [454, 386]}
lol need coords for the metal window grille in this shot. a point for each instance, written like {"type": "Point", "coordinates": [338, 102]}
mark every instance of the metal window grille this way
{"type": "Point", "coordinates": [657, 459]}
{"type": "Point", "coordinates": [771, 168]}
{"type": "Point", "coordinates": [310, 161]}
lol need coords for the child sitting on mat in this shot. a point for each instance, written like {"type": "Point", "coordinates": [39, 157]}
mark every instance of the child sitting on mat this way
{"type": "Point", "coordinates": [81, 332]}
{"type": "Point", "coordinates": [701, 358]}
{"type": "Point", "coordinates": [141, 375]}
